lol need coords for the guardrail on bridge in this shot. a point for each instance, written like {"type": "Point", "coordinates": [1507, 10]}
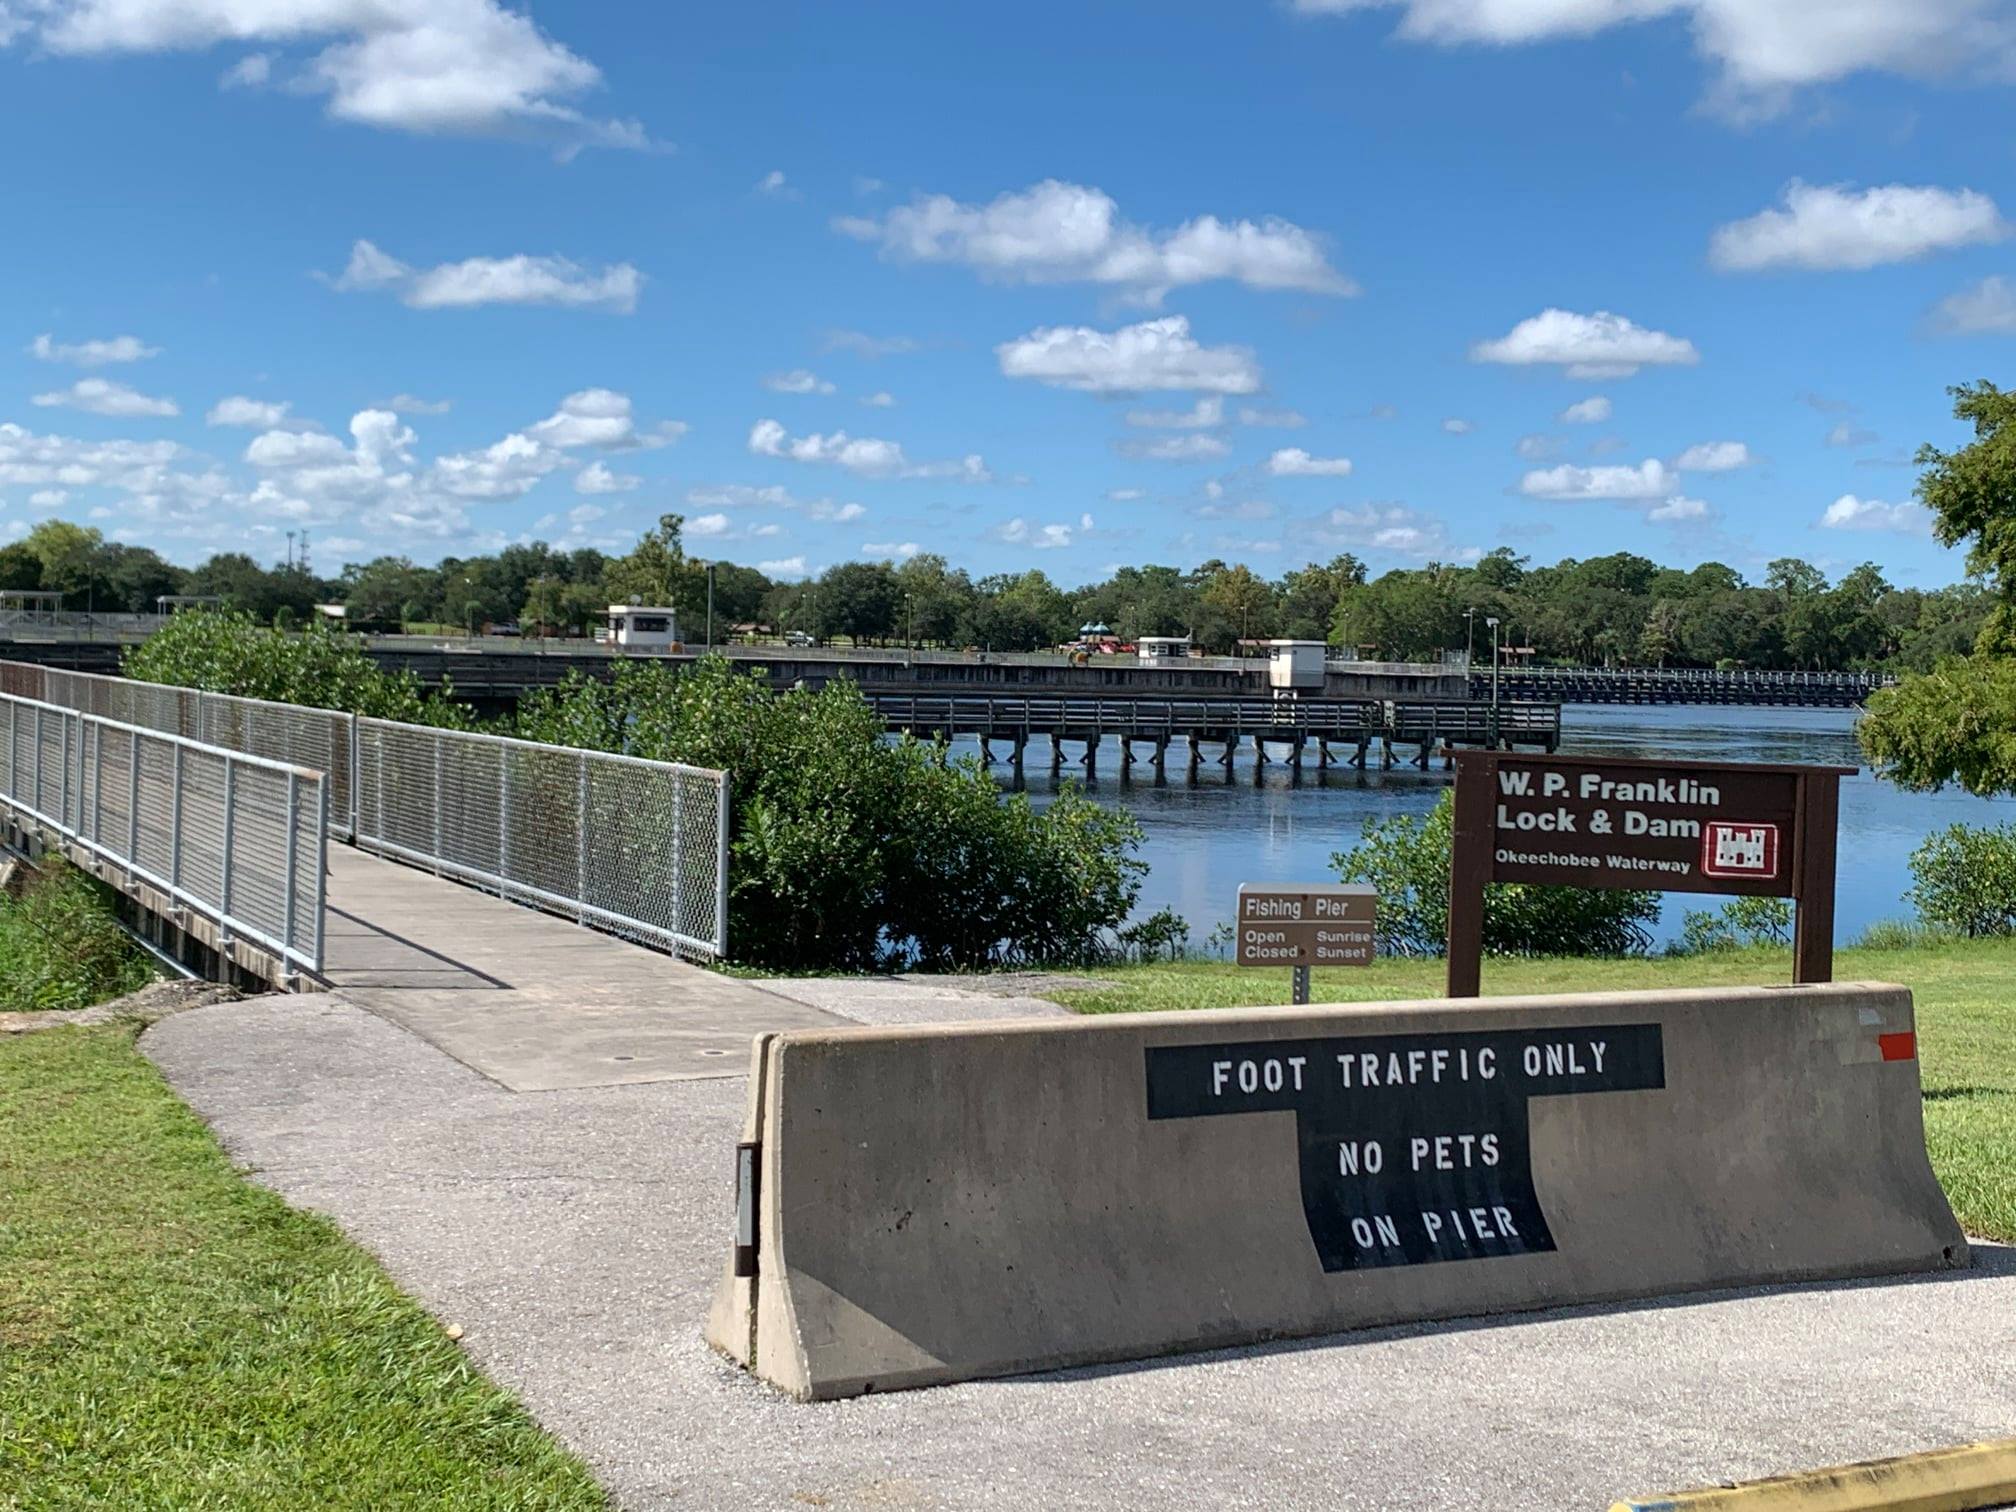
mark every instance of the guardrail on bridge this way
{"type": "Point", "coordinates": [237, 839]}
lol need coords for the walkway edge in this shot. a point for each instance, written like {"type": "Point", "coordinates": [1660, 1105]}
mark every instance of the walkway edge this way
{"type": "Point", "coordinates": [1938, 1480]}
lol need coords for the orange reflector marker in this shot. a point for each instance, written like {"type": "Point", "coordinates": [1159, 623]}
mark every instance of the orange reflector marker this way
{"type": "Point", "coordinates": [1898, 1046]}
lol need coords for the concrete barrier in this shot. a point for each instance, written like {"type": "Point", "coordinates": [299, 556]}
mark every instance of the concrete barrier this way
{"type": "Point", "coordinates": [938, 1203]}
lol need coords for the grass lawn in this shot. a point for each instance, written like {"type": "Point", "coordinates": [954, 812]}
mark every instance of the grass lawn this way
{"type": "Point", "coordinates": [172, 1336]}
{"type": "Point", "coordinates": [1965, 992]}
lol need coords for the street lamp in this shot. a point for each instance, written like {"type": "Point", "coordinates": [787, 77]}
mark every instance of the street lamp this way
{"type": "Point", "coordinates": [1492, 621]}
{"type": "Point", "coordinates": [910, 626]}
{"type": "Point", "coordinates": [1469, 638]}
{"type": "Point", "coordinates": [710, 606]}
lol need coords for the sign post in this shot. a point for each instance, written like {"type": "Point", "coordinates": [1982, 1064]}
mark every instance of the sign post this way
{"type": "Point", "coordinates": [1305, 924]}
{"type": "Point", "coordinates": [1749, 829]}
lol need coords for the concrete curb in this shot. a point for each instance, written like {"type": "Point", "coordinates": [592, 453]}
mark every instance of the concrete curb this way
{"type": "Point", "coordinates": [1939, 1480]}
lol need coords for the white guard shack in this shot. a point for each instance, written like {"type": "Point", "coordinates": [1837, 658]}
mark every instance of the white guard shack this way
{"type": "Point", "coordinates": [1296, 665]}
{"type": "Point", "coordinates": [1154, 650]}
{"type": "Point", "coordinates": [640, 627]}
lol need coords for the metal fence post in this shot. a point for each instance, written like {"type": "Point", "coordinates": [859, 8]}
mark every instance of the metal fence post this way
{"type": "Point", "coordinates": [721, 868]}
{"type": "Point", "coordinates": [503, 813]}
{"type": "Point", "coordinates": [230, 825]}
{"type": "Point", "coordinates": [322, 868]}
{"type": "Point", "coordinates": [288, 891]}
{"type": "Point", "coordinates": [440, 744]}
{"type": "Point", "coordinates": [581, 836]}
{"type": "Point", "coordinates": [175, 830]}
{"type": "Point", "coordinates": [678, 858]}
{"type": "Point", "coordinates": [133, 807]}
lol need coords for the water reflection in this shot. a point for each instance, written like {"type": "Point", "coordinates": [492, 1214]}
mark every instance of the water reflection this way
{"type": "Point", "coordinates": [1211, 828]}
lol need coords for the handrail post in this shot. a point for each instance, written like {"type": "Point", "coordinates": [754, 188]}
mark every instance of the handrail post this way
{"type": "Point", "coordinates": [132, 807]}
{"type": "Point", "coordinates": [721, 791]}
{"type": "Point", "coordinates": [230, 826]}
{"type": "Point", "coordinates": [581, 836]}
{"type": "Point", "coordinates": [175, 830]}
{"type": "Point", "coordinates": [322, 865]}
{"type": "Point", "coordinates": [678, 858]}
{"type": "Point", "coordinates": [287, 888]}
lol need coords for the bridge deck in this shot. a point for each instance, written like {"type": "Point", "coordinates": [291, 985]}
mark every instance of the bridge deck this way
{"type": "Point", "coordinates": [533, 1001]}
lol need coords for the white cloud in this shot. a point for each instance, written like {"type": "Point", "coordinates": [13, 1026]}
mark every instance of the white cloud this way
{"type": "Point", "coordinates": [1714, 456]}
{"type": "Point", "coordinates": [1601, 345]}
{"type": "Point", "coordinates": [1154, 355]}
{"type": "Point", "coordinates": [1847, 433]}
{"type": "Point", "coordinates": [1245, 509]}
{"type": "Point", "coordinates": [1192, 448]}
{"type": "Point", "coordinates": [597, 478]}
{"type": "Point", "coordinates": [861, 344]}
{"type": "Point", "coordinates": [774, 183]}
{"type": "Point", "coordinates": [294, 448]}
{"type": "Point", "coordinates": [707, 525]}
{"type": "Point", "coordinates": [783, 567]}
{"type": "Point", "coordinates": [797, 381]}
{"type": "Point", "coordinates": [49, 498]}
{"type": "Point", "coordinates": [1536, 447]}
{"type": "Point", "coordinates": [1830, 226]}
{"type": "Point", "coordinates": [880, 399]}
{"type": "Point", "coordinates": [1393, 528]}
{"type": "Point", "coordinates": [1206, 412]}
{"type": "Point", "coordinates": [1274, 419]}
{"type": "Point", "coordinates": [885, 549]}
{"type": "Point", "coordinates": [838, 514]}
{"type": "Point", "coordinates": [101, 396]}
{"type": "Point", "coordinates": [470, 67]}
{"type": "Point", "coordinates": [506, 469]}
{"type": "Point", "coordinates": [91, 353]}
{"type": "Point", "coordinates": [601, 418]}
{"type": "Point", "coordinates": [407, 404]}
{"type": "Point", "coordinates": [1763, 49]}
{"type": "Point", "coordinates": [1987, 308]}
{"type": "Point", "coordinates": [260, 414]}
{"type": "Point", "coordinates": [1125, 495]}
{"type": "Point", "coordinates": [517, 280]}
{"type": "Point", "coordinates": [1851, 513]}
{"type": "Point", "coordinates": [1676, 509]}
{"type": "Point", "coordinates": [1020, 532]}
{"type": "Point", "coordinates": [866, 455]}
{"type": "Point", "coordinates": [1651, 479]}
{"type": "Point", "coordinates": [253, 71]}
{"type": "Point", "coordinates": [1055, 232]}
{"type": "Point", "coordinates": [1455, 425]}
{"type": "Point", "coordinates": [1591, 411]}
{"type": "Point", "coordinates": [1293, 462]}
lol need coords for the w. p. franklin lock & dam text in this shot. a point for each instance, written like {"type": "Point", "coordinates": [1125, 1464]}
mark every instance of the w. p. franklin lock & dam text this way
{"type": "Point", "coordinates": [1413, 1148]}
{"type": "Point", "coordinates": [1715, 830]}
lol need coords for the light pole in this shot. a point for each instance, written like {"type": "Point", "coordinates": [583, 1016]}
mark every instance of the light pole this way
{"type": "Point", "coordinates": [1469, 638]}
{"type": "Point", "coordinates": [1492, 621]}
{"type": "Point", "coordinates": [909, 627]}
{"type": "Point", "coordinates": [710, 606]}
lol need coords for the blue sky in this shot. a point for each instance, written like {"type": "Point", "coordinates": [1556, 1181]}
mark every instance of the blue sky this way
{"type": "Point", "coordinates": [1064, 286]}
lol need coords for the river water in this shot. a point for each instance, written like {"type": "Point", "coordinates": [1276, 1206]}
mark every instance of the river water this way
{"type": "Point", "coordinates": [1204, 838]}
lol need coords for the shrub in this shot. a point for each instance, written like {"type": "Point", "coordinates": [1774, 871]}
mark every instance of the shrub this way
{"type": "Point", "coordinates": [1739, 923]}
{"type": "Point", "coordinates": [1898, 934]}
{"type": "Point", "coordinates": [323, 668]}
{"type": "Point", "coordinates": [1407, 860]}
{"type": "Point", "coordinates": [1165, 932]}
{"type": "Point", "coordinates": [61, 947]}
{"type": "Point", "coordinates": [848, 851]}
{"type": "Point", "coordinates": [1963, 880]}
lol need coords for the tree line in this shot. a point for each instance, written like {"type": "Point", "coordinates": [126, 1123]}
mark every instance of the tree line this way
{"type": "Point", "coordinates": [1620, 609]}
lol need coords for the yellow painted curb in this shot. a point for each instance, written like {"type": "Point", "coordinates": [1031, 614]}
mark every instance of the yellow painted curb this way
{"type": "Point", "coordinates": [1970, 1477]}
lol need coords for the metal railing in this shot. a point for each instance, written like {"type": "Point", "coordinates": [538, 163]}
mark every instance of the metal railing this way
{"type": "Point", "coordinates": [639, 848]}
{"type": "Point", "coordinates": [237, 839]}
{"type": "Point", "coordinates": [294, 734]}
{"type": "Point", "coordinates": [1268, 718]}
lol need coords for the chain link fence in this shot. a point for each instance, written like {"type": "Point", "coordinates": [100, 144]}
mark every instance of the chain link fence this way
{"type": "Point", "coordinates": [235, 838]}
{"type": "Point", "coordinates": [639, 848]}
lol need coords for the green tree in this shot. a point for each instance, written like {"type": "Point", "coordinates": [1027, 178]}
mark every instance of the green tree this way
{"type": "Point", "coordinates": [69, 555]}
{"type": "Point", "coordinates": [1957, 723]}
{"type": "Point", "coordinates": [654, 570]}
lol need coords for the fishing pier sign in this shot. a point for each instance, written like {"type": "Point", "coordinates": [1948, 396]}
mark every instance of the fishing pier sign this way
{"type": "Point", "coordinates": [1664, 826]}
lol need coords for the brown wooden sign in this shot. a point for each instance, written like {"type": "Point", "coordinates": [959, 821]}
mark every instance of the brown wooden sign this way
{"type": "Point", "coordinates": [1664, 826]}
{"type": "Point", "coordinates": [1305, 924]}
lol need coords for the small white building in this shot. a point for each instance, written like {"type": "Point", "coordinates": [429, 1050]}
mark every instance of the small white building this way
{"type": "Point", "coordinates": [1156, 649]}
{"type": "Point", "coordinates": [1296, 664]}
{"type": "Point", "coordinates": [640, 627]}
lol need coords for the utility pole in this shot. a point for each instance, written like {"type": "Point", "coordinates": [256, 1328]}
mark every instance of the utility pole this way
{"type": "Point", "coordinates": [1469, 638]}
{"type": "Point", "coordinates": [1492, 621]}
{"type": "Point", "coordinates": [710, 606]}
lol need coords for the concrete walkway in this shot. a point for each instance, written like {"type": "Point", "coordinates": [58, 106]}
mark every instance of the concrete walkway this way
{"type": "Point", "coordinates": [531, 1000]}
{"type": "Point", "coordinates": [576, 1236]}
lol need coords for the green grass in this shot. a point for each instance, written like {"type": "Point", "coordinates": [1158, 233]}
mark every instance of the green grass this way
{"type": "Point", "coordinates": [1965, 992]}
{"type": "Point", "coordinates": [172, 1336]}
{"type": "Point", "coordinates": [61, 946]}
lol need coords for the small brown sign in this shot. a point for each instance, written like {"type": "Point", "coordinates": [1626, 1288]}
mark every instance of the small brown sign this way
{"type": "Point", "coordinates": [1305, 924]}
{"type": "Point", "coordinates": [1663, 826]}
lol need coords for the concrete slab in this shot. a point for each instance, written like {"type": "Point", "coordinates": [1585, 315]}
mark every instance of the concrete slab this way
{"type": "Point", "coordinates": [576, 1237]}
{"type": "Point", "coordinates": [530, 1000]}
{"type": "Point", "coordinates": [911, 1000]}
